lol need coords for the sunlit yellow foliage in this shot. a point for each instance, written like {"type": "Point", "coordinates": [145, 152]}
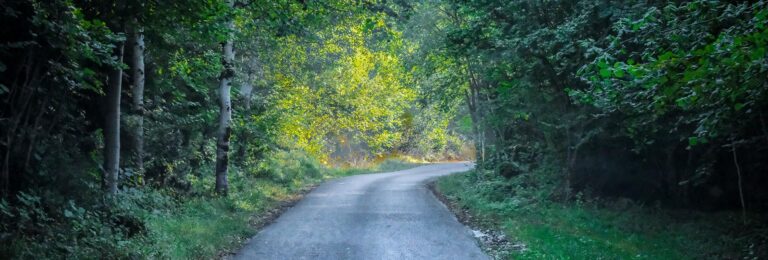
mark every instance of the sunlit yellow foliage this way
{"type": "Point", "coordinates": [344, 90]}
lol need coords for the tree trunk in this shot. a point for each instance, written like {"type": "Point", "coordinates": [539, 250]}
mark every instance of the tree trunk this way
{"type": "Point", "coordinates": [246, 90]}
{"type": "Point", "coordinates": [138, 100]}
{"type": "Point", "coordinates": [471, 105]}
{"type": "Point", "coordinates": [739, 180]}
{"type": "Point", "coordinates": [112, 126]}
{"type": "Point", "coordinates": [472, 96]}
{"type": "Point", "coordinates": [225, 114]}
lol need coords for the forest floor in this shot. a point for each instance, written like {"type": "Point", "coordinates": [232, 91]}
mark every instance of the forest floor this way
{"type": "Point", "coordinates": [509, 229]}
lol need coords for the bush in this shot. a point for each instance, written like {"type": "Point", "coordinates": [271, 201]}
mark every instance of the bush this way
{"type": "Point", "coordinates": [394, 164]}
{"type": "Point", "coordinates": [160, 223]}
{"type": "Point", "coordinates": [596, 229]}
{"type": "Point", "coordinates": [113, 228]}
{"type": "Point", "coordinates": [288, 166]}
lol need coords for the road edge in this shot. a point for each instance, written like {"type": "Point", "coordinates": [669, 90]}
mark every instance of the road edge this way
{"type": "Point", "coordinates": [259, 221]}
{"type": "Point", "coordinates": [269, 216]}
{"type": "Point", "coordinates": [492, 241]}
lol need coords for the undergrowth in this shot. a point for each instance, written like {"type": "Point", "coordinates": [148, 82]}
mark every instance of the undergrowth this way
{"type": "Point", "coordinates": [590, 228]}
{"type": "Point", "coordinates": [142, 223]}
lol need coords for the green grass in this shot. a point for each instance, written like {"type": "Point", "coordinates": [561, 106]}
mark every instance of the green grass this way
{"type": "Point", "coordinates": [584, 230]}
{"type": "Point", "coordinates": [205, 227]}
{"type": "Point", "coordinates": [168, 223]}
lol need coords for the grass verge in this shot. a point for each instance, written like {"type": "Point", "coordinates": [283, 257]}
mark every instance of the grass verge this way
{"type": "Point", "coordinates": [206, 228]}
{"type": "Point", "coordinates": [596, 230]}
{"type": "Point", "coordinates": [153, 222]}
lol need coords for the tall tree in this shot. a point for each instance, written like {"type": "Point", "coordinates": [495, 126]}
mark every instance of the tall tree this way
{"type": "Point", "coordinates": [112, 124]}
{"type": "Point", "coordinates": [225, 105]}
{"type": "Point", "coordinates": [138, 75]}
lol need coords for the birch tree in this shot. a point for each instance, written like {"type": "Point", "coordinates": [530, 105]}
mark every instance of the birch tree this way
{"type": "Point", "coordinates": [112, 124]}
{"type": "Point", "coordinates": [225, 106]}
{"type": "Point", "coordinates": [138, 75]}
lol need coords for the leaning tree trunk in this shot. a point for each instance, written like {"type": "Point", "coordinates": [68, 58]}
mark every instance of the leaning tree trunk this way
{"type": "Point", "coordinates": [138, 100]}
{"type": "Point", "coordinates": [112, 126]}
{"type": "Point", "coordinates": [225, 114]}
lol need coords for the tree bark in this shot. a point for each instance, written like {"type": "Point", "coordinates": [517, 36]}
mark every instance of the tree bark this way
{"type": "Point", "coordinates": [225, 114]}
{"type": "Point", "coordinates": [112, 126]}
{"type": "Point", "coordinates": [138, 99]}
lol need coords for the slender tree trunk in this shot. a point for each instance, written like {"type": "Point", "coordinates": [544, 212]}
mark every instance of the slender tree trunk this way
{"type": "Point", "coordinates": [138, 99]}
{"type": "Point", "coordinates": [246, 90]}
{"type": "Point", "coordinates": [472, 106]}
{"type": "Point", "coordinates": [112, 126]}
{"type": "Point", "coordinates": [225, 114]}
{"type": "Point", "coordinates": [472, 96]}
{"type": "Point", "coordinates": [741, 189]}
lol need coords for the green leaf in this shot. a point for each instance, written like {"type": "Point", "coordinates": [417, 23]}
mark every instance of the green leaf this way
{"type": "Point", "coordinates": [692, 141]}
{"type": "Point", "coordinates": [757, 54]}
{"type": "Point", "coordinates": [602, 64]}
{"type": "Point", "coordinates": [605, 73]}
{"type": "Point", "coordinates": [738, 106]}
{"type": "Point", "coordinates": [666, 56]}
{"type": "Point", "coordinates": [618, 73]}
{"type": "Point", "coordinates": [682, 102]}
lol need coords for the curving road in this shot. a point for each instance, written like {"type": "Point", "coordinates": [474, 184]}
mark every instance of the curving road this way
{"type": "Point", "coordinates": [372, 216]}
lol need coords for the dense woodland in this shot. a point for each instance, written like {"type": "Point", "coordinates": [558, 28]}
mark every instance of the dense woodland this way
{"type": "Point", "coordinates": [125, 123]}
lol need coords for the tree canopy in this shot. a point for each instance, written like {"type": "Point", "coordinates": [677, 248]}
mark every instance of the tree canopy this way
{"type": "Point", "coordinates": [657, 101]}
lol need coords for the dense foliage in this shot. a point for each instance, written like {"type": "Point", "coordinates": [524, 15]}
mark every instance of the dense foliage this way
{"type": "Point", "coordinates": [653, 100]}
{"type": "Point", "coordinates": [116, 115]}
{"type": "Point", "coordinates": [660, 103]}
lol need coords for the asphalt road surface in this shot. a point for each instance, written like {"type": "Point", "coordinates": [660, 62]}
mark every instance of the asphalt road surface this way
{"type": "Point", "coordinates": [373, 216]}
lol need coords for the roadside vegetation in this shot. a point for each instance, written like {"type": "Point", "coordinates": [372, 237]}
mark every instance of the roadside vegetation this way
{"type": "Point", "coordinates": [612, 129]}
{"type": "Point", "coordinates": [160, 223]}
{"type": "Point", "coordinates": [596, 228]}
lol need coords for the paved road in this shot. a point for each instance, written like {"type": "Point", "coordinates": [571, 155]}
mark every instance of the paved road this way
{"type": "Point", "coordinates": [372, 216]}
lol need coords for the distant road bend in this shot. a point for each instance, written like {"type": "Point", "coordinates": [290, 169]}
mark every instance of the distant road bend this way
{"type": "Point", "coordinates": [373, 216]}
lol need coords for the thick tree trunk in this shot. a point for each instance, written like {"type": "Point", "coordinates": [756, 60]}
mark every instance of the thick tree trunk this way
{"type": "Point", "coordinates": [225, 114]}
{"type": "Point", "coordinates": [112, 126]}
{"type": "Point", "coordinates": [138, 100]}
